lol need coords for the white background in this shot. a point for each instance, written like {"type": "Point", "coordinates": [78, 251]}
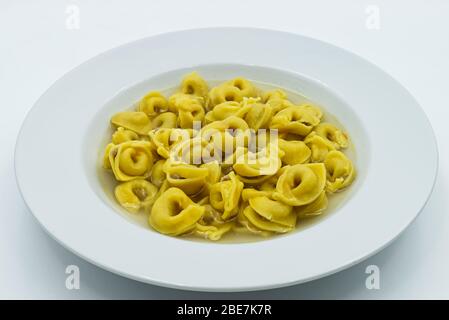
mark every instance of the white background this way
{"type": "Point", "coordinates": [36, 48]}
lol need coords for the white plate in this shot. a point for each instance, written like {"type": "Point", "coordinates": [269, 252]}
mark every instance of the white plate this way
{"type": "Point", "coordinates": [58, 147]}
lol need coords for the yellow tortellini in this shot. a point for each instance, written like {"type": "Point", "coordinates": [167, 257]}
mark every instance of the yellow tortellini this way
{"type": "Point", "coordinates": [225, 195]}
{"type": "Point", "coordinates": [187, 177]}
{"type": "Point", "coordinates": [225, 134]}
{"type": "Point", "coordinates": [233, 90]}
{"type": "Point", "coordinates": [277, 100]}
{"type": "Point", "coordinates": [158, 176]}
{"type": "Point", "coordinates": [258, 116]}
{"type": "Point", "coordinates": [295, 119]}
{"type": "Point", "coordinates": [301, 184]}
{"type": "Point", "coordinates": [213, 161]}
{"type": "Point", "coordinates": [214, 175]}
{"type": "Point", "coordinates": [165, 120]}
{"type": "Point", "coordinates": [225, 110]}
{"type": "Point", "coordinates": [174, 213]}
{"type": "Point", "coordinates": [131, 160]}
{"type": "Point", "coordinates": [246, 88]}
{"type": "Point", "coordinates": [107, 150]}
{"type": "Point", "coordinates": [189, 111]}
{"type": "Point", "coordinates": [164, 139]}
{"type": "Point", "coordinates": [195, 85]}
{"type": "Point", "coordinates": [332, 134]}
{"type": "Point", "coordinates": [211, 226]}
{"type": "Point", "coordinates": [136, 121]}
{"type": "Point", "coordinates": [314, 208]}
{"type": "Point", "coordinates": [268, 214]}
{"type": "Point", "coordinates": [123, 135]}
{"type": "Point", "coordinates": [153, 103]}
{"type": "Point", "coordinates": [265, 162]}
{"type": "Point", "coordinates": [319, 147]}
{"type": "Point", "coordinates": [340, 171]}
{"type": "Point", "coordinates": [295, 152]}
{"type": "Point", "coordinates": [264, 224]}
{"type": "Point", "coordinates": [181, 100]}
{"type": "Point", "coordinates": [136, 194]}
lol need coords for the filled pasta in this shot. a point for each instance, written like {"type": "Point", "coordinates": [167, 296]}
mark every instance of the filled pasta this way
{"type": "Point", "coordinates": [213, 161]}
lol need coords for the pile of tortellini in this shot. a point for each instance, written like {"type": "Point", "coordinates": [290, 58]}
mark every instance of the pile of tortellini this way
{"type": "Point", "coordinates": [216, 192]}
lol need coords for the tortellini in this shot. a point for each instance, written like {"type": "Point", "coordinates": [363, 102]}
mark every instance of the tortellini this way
{"type": "Point", "coordinates": [211, 226]}
{"type": "Point", "coordinates": [314, 208]}
{"type": "Point", "coordinates": [340, 171]}
{"type": "Point", "coordinates": [187, 177]}
{"type": "Point", "coordinates": [332, 134]}
{"type": "Point", "coordinates": [165, 120]}
{"type": "Point", "coordinates": [131, 160]}
{"type": "Point", "coordinates": [263, 163]}
{"type": "Point", "coordinates": [225, 110]}
{"type": "Point", "coordinates": [123, 135]}
{"type": "Point", "coordinates": [258, 116]}
{"type": "Point", "coordinates": [216, 161]}
{"type": "Point", "coordinates": [269, 214]}
{"type": "Point", "coordinates": [319, 147]}
{"type": "Point", "coordinates": [174, 213]}
{"type": "Point", "coordinates": [136, 121]}
{"type": "Point", "coordinates": [295, 152]}
{"type": "Point", "coordinates": [262, 223]}
{"type": "Point", "coordinates": [136, 194]}
{"type": "Point", "coordinates": [301, 184]}
{"type": "Point", "coordinates": [153, 103]}
{"type": "Point", "coordinates": [233, 90]}
{"type": "Point", "coordinates": [165, 138]}
{"type": "Point", "coordinates": [195, 85]}
{"type": "Point", "coordinates": [277, 100]}
{"type": "Point", "coordinates": [158, 176]}
{"type": "Point", "coordinates": [295, 119]}
{"type": "Point", "coordinates": [189, 109]}
{"type": "Point", "coordinates": [225, 195]}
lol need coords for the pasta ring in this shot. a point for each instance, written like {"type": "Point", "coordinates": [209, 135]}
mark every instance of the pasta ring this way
{"type": "Point", "coordinates": [131, 160]}
{"type": "Point", "coordinates": [123, 135]}
{"type": "Point", "coordinates": [295, 120]}
{"type": "Point", "coordinates": [316, 207]}
{"type": "Point", "coordinates": [165, 120]}
{"type": "Point", "coordinates": [259, 116]}
{"type": "Point", "coordinates": [158, 175]}
{"type": "Point", "coordinates": [295, 152]}
{"type": "Point", "coordinates": [153, 103]}
{"type": "Point", "coordinates": [175, 101]}
{"type": "Point", "coordinates": [132, 120]}
{"type": "Point", "coordinates": [332, 134]}
{"type": "Point", "coordinates": [174, 213]}
{"type": "Point", "coordinates": [211, 226]}
{"type": "Point", "coordinates": [340, 171]}
{"type": "Point", "coordinates": [301, 184]}
{"type": "Point", "coordinates": [136, 194]}
{"type": "Point", "coordinates": [225, 195]}
{"type": "Point", "coordinates": [227, 109]}
{"type": "Point", "coordinates": [263, 224]}
{"type": "Point", "coordinates": [106, 162]}
{"type": "Point", "coordinates": [262, 163]}
{"type": "Point", "coordinates": [186, 177]}
{"type": "Point", "coordinates": [194, 84]}
{"type": "Point", "coordinates": [319, 147]}
{"type": "Point", "coordinates": [189, 111]}
{"type": "Point", "coordinates": [245, 86]}
{"type": "Point", "coordinates": [223, 93]}
{"type": "Point", "coordinates": [165, 138]}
